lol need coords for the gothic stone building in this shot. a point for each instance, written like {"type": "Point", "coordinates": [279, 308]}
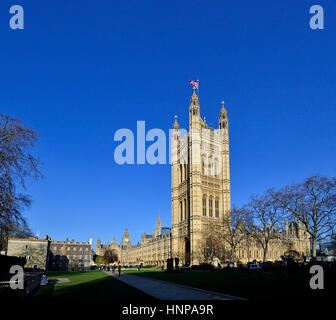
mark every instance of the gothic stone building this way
{"type": "Point", "coordinates": [154, 249]}
{"type": "Point", "coordinates": [200, 181]}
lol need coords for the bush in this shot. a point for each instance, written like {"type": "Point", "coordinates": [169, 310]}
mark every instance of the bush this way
{"type": "Point", "coordinates": [148, 266]}
{"type": "Point", "coordinates": [202, 266]}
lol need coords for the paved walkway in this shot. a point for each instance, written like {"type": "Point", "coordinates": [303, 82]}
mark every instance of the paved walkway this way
{"type": "Point", "coordinates": [164, 290]}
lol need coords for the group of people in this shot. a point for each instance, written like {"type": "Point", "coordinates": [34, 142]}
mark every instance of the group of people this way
{"type": "Point", "coordinates": [114, 267]}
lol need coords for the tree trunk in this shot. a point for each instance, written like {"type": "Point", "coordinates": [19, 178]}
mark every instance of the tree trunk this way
{"type": "Point", "coordinates": [265, 253]}
{"type": "Point", "coordinates": [313, 252]}
{"type": "Point", "coordinates": [233, 255]}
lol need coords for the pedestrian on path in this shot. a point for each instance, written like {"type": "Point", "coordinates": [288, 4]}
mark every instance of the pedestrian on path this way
{"type": "Point", "coordinates": [119, 269]}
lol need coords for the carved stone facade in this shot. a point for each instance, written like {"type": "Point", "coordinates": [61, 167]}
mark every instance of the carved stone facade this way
{"type": "Point", "coordinates": [200, 179]}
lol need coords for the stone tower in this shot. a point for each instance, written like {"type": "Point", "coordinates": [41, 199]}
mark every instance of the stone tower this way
{"type": "Point", "coordinates": [98, 247]}
{"type": "Point", "coordinates": [124, 247]}
{"type": "Point", "coordinates": [200, 181]}
{"type": "Point", "coordinates": [126, 239]}
{"type": "Point", "coordinates": [158, 226]}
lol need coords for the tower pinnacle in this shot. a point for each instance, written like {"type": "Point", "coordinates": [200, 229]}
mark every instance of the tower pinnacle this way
{"type": "Point", "coordinates": [176, 125]}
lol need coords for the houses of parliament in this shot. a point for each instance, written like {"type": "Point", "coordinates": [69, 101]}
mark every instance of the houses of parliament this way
{"type": "Point", "coordinates": [200, 197]}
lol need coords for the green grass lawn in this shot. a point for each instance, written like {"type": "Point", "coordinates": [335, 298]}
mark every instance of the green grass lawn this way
{"type": "Point", "coordinates": [253, 286]}
{"type": "Point", "coordinates": [90, 285]}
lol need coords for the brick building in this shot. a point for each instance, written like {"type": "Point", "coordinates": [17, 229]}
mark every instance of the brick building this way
{"type": "Point", "coordinates": [70, 255]}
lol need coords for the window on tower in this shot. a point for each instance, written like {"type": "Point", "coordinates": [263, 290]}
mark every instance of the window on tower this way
{"type": "Point", "coordinates": [217, 208]}
{"type": "Point", "coordinates": [204, 206]}
{"type": "Point", "coordinates": [210, 207]}
{"type": "Point", "coordinates": [203, 165]}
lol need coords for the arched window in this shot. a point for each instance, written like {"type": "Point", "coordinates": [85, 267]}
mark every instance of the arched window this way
{"type": "Point", "coordinates": [203, 165]}
{"type": "Point", "coordinates": [204, 206]}
{"type": "Point", "coordinates": [181, 211]}
{"type": "Point", "coordinates": [210, 166]}
{"type": "Point", "coordinates": [216, 167]}
{"type": "Point", "coordinates": [185, 209]}
{"type": "Point", "coordinates": [217, 208]}
{"type": "Point", "coordinates": [181, 173]}
{"type": "Point", "coordinates": [210, 207]}
{"type": "Point", "coordinates": [185, 172]}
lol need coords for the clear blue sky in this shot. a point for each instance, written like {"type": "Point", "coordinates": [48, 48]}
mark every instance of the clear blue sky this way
{"type": "Point", "coordinates": [80, 70]}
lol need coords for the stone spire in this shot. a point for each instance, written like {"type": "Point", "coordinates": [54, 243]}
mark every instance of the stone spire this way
{"type": "Point", "coordinates": [194, 111]}
{"type": "Point", "coordinates": [194, 98]}
{"type": "Point", "coordinates": [223, 119]}
{"type": "Point", "coordinates": [158, 226]}
{"type": "Point", "coordinates": [158, 221]}
{"type": "Point", "coordinates": [223, 110]}
{"type": "Point", "coordinates": [176, 125]}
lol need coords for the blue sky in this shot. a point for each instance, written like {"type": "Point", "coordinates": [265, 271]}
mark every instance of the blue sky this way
{"type": "Point", "coordinates": [80, 70]}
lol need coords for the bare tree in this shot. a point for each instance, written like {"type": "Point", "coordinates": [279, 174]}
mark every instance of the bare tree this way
{"type": "Point", "coordinates": [110, 256]}
{"type": "Point", "coordinates": [11, 206]}
{"type": "Point", "coordinates": [16, 160]}
{"type": "Point", "coordinates": [16, 164]}
{"type": "Point", "coordinates": [213, 245]}
{"type": "Point", "coordinates": [333, 238]}
{"type": "Point", "coordinates": [234, 230]}
{"type": "Point", "coordinates": [313, 203]}
{"type": "Point", "coordinates": [267, 213]}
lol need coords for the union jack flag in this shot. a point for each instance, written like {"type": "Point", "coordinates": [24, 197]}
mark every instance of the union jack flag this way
{"type": "Point", "coordinates": [194, 83]}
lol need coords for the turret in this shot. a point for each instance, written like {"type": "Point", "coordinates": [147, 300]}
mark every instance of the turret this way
{"type": "Point", "coordinates": [176, 125]}
{"type": "Point", "coordinates": [223, 119]}
{"type": "Point", "coordinates": [194, 110]}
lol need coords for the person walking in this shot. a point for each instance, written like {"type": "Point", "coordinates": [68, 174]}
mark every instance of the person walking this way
{"type": "Point", "coordinates": [119, 269]}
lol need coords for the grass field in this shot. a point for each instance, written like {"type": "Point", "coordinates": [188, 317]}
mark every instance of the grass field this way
{"type": "Point", "coordinates": [90, 285]}
{"type": "Point", "coordinates": [253, 286]}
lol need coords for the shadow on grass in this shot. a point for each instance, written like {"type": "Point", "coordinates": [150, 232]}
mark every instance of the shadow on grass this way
{"type": "Point", "coordinates": [103, 288]}
{"type": "Point", "coordinates": [253, 286]}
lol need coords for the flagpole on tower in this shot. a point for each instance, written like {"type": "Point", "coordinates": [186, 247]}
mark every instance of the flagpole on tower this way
{"type": "Point", "coordinates": [198, 87]}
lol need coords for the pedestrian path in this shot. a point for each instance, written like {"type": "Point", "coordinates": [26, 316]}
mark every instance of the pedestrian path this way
{"type": "Point", "coordinates": [164, 290]}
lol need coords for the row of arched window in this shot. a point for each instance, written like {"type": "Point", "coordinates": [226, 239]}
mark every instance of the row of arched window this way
{"type": "Point", "coordinates": [210, 206]}
{"type": "Point", "coordinates": [210, 166]}
{"type": "Point", "coordinates": [184, 210]}
{"type": "Point", "coordinates": [183, 172]}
